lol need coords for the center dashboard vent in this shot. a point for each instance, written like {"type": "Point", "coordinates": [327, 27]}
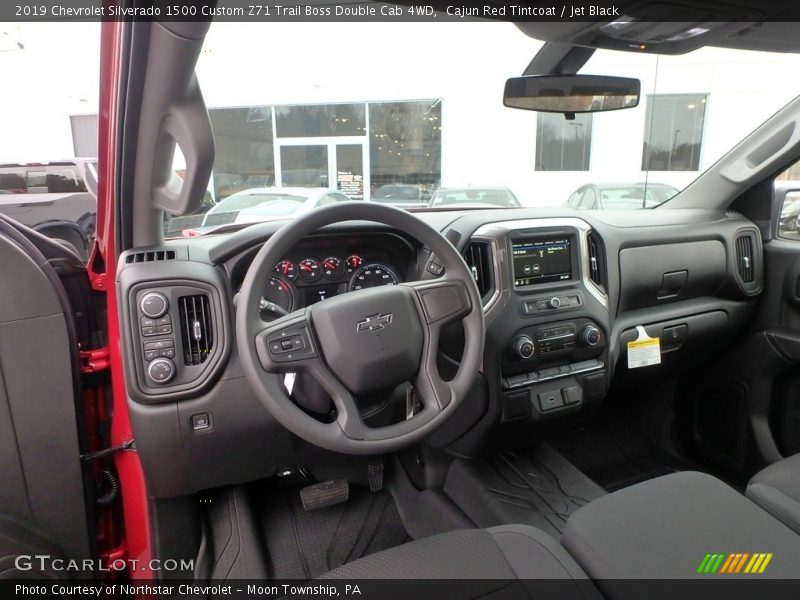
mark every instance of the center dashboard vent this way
{"type": "Point", "coordinates": [151, 256]}
{"type": "Point", "coordinates": [478, 256]}
{"type": "Point", "coordinates": [197, 332]}
{"type": "Point", "coordinates": [597, 261]}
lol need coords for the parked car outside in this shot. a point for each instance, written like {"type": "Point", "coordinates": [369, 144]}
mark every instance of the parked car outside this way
{"type": "Point", "coordinates": [255, 206]}
{"type": "Point", "coordinates": [489, 197]}
{"type": "Point", "coordinates": [620, 196]}
{"type": "Point", "coordinates": [401, 195]}
{"type": "Point", "coordinates": [56, 198]}
{"type": "Point", "coordinates": [790, 211]}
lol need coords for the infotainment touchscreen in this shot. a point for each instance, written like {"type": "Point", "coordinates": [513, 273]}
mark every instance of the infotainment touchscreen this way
{"type": "Point", "coordinates": [541, 260]}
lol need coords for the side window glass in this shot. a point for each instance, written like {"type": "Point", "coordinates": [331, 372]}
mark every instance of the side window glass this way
{"type": "Point", "coordinates": [787, 186]}
{"type": "Point", "coordinates": [790, 211]}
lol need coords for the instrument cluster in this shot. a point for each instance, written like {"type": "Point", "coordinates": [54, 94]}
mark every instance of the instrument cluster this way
{"type": "Point", "coordinates": [311, 279]}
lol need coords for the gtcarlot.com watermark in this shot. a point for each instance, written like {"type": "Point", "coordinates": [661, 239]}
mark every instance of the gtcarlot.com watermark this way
{"type": "Point", "coordinates": [46, 562]}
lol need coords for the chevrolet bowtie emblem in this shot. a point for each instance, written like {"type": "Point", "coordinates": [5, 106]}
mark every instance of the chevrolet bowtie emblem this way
{"type": "Point", "coordinates": [374, 323]}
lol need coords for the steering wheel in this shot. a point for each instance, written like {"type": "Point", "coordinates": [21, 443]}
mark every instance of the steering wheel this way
{"type": "Point", "coordinates": [363, 341]}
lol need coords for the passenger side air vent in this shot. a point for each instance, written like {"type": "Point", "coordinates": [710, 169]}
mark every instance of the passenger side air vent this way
{"type": "Point", "coordinates": [478, 256]}
{"type": "Point", "coordinates": [597, 262]}
{"type": "Point", "coordinates": [197, 332]}
{"type": "Point", "coordinates": [745, 258]}
{"type": "Point", "coordinates": [152, 256]}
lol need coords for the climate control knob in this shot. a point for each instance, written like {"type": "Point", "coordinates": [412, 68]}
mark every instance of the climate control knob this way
{"type": "Point", "coordinates": [154, 305]}
{"type": "Point", "coordinates": [590, 336]}
{"type": "Point", "coordinates": [555, 302]}
{"type": "Point", "coordinates": [161, 370]}
{"type": "Point", "coordinates": [523, 347]}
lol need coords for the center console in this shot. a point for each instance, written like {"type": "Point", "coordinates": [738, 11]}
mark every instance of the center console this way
{"type": "Point", "coordinates": [550, 319]}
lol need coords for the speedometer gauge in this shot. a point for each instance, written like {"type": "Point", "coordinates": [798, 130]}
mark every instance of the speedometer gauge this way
{"type": "Point", "coordinates": [373, 275]}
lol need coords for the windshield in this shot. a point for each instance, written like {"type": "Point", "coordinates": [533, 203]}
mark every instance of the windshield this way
{"type": "Point", "coordinates": [420, 126]}
{"type": "Point", "coordinates": [426, 130]}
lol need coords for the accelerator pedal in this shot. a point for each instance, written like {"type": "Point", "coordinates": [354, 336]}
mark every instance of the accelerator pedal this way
{"type": "Point", "coordinates": [375, 473]}
{"type": "Point", "coordinates": [324, 494]}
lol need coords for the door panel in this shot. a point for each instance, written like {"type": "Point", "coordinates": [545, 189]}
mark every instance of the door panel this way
{"type": "Point", "coordinates": [774, 400]}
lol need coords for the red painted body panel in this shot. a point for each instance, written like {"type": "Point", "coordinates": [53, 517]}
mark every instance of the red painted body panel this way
{"type": "Point", "coordinates": [136, 542]}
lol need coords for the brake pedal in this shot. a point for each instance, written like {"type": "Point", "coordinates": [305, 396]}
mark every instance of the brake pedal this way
{"type": "Point", "coordinates": [324, 494]}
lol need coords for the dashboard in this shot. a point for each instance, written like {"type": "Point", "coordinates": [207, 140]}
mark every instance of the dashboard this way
{"type": "Point", "coordinates": [564, 294]}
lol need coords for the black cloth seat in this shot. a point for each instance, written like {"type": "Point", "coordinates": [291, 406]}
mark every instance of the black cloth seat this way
{"type": "Point", "coordinates": [662, 529]}
{"type": "Point", "coordinates": [513, 561]}
{"type": "Point", "coordinates": [777, 490]}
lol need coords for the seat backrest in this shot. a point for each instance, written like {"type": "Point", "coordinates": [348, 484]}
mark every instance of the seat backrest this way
{"type": "Point", "coordinates": [40, 466]}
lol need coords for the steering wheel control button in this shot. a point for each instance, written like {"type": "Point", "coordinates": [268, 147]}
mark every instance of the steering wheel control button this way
{"type": "Point", "coordinates": [200, 422]}
{"type": "Point", "coordinates": [289, 345]}
{"type": "Point", "coordinates": [161, 370]}
{"type": "Point", "coordinates": [154, 305]}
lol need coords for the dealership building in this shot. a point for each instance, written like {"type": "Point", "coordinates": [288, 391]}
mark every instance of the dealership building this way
{"type": "Point", "coordinates": [363, 106]}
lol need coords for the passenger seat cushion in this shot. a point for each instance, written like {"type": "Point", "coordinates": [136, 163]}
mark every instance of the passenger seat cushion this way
{"type": "Point", "coordinates": [514, 561]}
{"type": "Point", "coordinates": [663, 528]}
{"type": "Point", "coordinates": [777, 490]}
{"type": "Point", "coordinates": [469, 553]}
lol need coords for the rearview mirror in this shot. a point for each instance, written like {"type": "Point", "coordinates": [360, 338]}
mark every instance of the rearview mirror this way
{"type": "Point", "coordinates": [571, 93]}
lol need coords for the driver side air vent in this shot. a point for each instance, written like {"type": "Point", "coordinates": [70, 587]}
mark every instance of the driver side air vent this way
{"type": "Point", "coordinates": [197, 333]}
{"type": "Point", "coordinates": [745, 258]}
{"type": "Point", "coordinates": [478, 256]}
{"type": "Point", "coordinates": [597, 262]}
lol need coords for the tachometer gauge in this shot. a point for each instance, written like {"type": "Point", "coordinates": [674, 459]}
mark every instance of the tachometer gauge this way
{"type": "Point", "coordinates": [332, 267]}
{"type": "Point", "coordinates": [277, 299]}
{"type": "Point", "coordinates": [353, 262]}
{"type": "Point", "coordinates": [286, 269]}
{"type": "Point", "coordinates": [309, 269]}
{"type": "Point", "coordinates": [373, 275]}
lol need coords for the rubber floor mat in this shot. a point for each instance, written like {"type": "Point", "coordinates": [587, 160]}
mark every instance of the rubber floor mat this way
{"type": "Point", "coordinates": [305, 544]}
{"type": "Point", "coordinates": [535, 487]}
{"type": "Point", "coordinates": [616, 454]}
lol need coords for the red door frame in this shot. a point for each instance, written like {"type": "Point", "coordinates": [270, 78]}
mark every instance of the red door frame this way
{"type": "Point", "coordinates": [135, 546]}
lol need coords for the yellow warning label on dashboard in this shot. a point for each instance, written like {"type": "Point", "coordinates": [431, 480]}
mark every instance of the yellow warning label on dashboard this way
{"type": "Point", "coordinates": [644, 351]}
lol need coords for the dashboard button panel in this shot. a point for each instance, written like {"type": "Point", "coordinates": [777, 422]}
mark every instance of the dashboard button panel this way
{"type": "Point", "coordinates": [552, 304]}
